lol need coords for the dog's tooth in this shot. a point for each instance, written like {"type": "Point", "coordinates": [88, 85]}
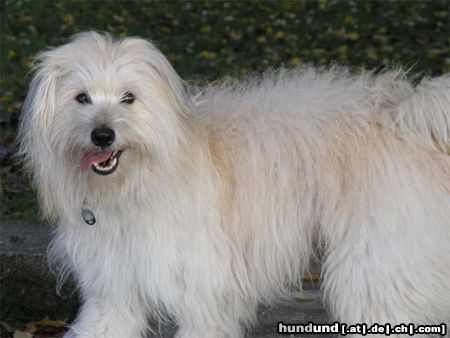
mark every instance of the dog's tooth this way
{"type": "Point", "coordinates": [106, 169]}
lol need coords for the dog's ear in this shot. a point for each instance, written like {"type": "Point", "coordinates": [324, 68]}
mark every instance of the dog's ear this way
{"type": "Point", "coordinates": [34, 136]}
{"type": "Point", "coordinates": [40, 103]}
{"type": "Point", "coordinates": [163, 72]}
{"type": "Point", "coordinates": [35, 125]}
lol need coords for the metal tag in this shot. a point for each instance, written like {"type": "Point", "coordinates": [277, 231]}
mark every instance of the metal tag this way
{"type": "Point", "coordinates": [88, 216]}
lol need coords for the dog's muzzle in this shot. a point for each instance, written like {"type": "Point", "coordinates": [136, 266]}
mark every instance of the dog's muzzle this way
{"type": "Point", "coordinates": [103, 162]}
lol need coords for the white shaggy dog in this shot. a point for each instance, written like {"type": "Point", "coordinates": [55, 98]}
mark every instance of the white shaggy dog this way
{"type": "Point", "coordinates": [205, 206]}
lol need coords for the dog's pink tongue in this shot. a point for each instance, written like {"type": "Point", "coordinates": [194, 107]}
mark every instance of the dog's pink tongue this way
{"type": "Point", "coordinates": [91, 158]}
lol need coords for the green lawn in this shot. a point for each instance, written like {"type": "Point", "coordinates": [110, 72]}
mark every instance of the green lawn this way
{"type": "Point", "coordinates": [207, 40]}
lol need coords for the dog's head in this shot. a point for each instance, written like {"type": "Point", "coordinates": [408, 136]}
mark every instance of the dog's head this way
{"type": "Point", "coordinates": [98, 111]}
{"type": "Point", "coordinates": [97, 106]}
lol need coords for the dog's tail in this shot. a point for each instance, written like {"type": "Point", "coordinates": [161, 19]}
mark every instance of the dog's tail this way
{"type": "Point", "coordinates": [426, 113]}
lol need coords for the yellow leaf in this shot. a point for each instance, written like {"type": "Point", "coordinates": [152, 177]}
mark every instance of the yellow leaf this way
{"type": "Point", "coordinates": [205, 29]}
{"type": "Point", "coordinates": [11, 53]}
{"type": "Point", "coordinates": [29, 64]}
{"type": "Point", "coordinates": [261, 39]}
{"type": "Point", "coordinates": [68, 19]}
{"type": "Point", "coordinates": [53, 323]}
{"type": "Point", "coordinates": [313, 277]}
{"type": "Point", "coordinates": [279, 35]}
{"type": "Point", "coordinates": [349, 20]}
{"type": "Point", "coordinates": [353, 36]}
{"type": "Point", "coordinates": [206, 54]}
{"type": "Point", "coordinates": [295, 61]}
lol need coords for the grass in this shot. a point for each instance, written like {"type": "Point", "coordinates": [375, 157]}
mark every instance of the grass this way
{"type": "Point", "coordinates": [207, 40]}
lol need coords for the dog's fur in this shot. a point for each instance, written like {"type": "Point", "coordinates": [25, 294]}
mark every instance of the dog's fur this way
{"type": "Point", "coordinates": [220, 197]}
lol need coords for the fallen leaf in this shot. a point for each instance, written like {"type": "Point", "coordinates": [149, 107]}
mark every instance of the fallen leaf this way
{"type": "Point", "coordinates": [6, 326]}
{"type": "Point", "coordinates": [313, 277]}
{"type": "Point", "coordinates": [21, 334]}
{"type": "Point", "coordinates": [53, 323]}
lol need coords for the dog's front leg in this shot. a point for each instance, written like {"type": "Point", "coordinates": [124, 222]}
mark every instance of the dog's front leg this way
{"type": "Point", "coordinates": [102, 319]}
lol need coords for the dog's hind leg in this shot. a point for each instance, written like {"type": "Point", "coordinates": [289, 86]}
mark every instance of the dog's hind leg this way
{"type": "Point", "coordinates": [388, 246]}
{"type": "Point", "coordinates": [378, 279]}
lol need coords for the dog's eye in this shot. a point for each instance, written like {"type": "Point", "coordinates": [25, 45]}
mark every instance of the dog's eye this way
{"type": "Point", "coordinates": [83, 98]}
{"type": "Point", "coordinates": [128, 98]}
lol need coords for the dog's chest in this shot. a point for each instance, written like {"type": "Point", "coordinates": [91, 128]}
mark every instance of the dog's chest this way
{"type": "Point", "coordinates": [141, 254]}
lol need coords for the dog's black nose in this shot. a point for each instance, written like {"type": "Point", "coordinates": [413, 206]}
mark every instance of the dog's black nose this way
{"type": "Point", "coordinates": [103, 137]}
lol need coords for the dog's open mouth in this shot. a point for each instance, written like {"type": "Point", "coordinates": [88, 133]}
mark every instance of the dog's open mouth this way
{"type": "Point", "coordinates": [102, 163]}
